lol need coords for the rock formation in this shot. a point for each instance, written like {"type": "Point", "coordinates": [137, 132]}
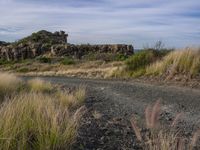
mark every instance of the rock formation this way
{"type": "Point", "coordinates": [2, 43]}
{"type": "Point", "coordinates": [56, 44]}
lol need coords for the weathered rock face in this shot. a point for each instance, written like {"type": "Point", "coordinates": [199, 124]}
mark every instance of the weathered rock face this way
{"type": "Point", "coordinates": [78, 51]}
{"type": "Point", "coordinates": [44, 42]}
{"type": "Point", "coordinates": [2, 43]}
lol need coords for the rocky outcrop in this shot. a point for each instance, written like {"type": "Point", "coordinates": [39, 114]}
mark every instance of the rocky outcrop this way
{"type": "Point", "coordinates": [2, 43]}
{"type": "Point", "coordinates": [79, 51]}
{"type": "Point", "coordinates": [56, 44]}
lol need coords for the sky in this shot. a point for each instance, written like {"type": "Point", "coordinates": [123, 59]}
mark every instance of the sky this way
{"type": "Point", "coordinates": [139, 22]}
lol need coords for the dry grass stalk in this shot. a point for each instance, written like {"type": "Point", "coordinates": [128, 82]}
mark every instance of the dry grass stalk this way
{"type": "Point", "coordinates": [136, 129]}
{"type": "Point", "coordinates": [176, 119]}
{"type": "Point", "coordinates": [155, 114]}
{"type": "Point", "coordinates": [148, 116]}
{"type": "Point", "coordinates": [157, 138]}
{"type": "Point", "coordinates": [195, 138]}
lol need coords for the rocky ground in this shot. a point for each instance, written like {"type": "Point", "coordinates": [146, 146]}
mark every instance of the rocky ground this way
{"type": "Point", "coordinates": [111, 103]}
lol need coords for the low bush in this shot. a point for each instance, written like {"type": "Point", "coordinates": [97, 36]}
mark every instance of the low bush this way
{"type": "Point", "coordinates": [44, 59]}
{"type": "Point", "coordinates": [67, 61]}
{"type": "Point", "coordinates": [143, 58]}
{"type": "Point", "coordinates": [23, 70]}
{"type": "Point", "coordinates": [105, 57]}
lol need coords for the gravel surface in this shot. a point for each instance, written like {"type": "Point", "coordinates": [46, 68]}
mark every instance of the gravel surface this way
{"type": "Point", "coordinates": [111, 103]}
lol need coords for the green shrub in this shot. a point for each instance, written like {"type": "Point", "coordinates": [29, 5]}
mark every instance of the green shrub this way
{"type": "Point", "coordinates": [44, 59]}
{"type": "Point", "coordinates": [144, 58]}
{"type": "Point", "coordinates": [3, 62]}
{"type": "Point", "coordinates": [120, 57]}
{"type": "Point", "coordinates": [140, 60]}
{"type": "Point", "coordinates": [23, 70]}
{"type": "Point", "coordinates": [105, 57]}
{"type": "Point", "coordinates": [67, 61]}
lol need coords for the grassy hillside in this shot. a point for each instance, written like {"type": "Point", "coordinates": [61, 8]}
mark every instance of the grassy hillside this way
{"type": "Point", "coordinates": [185, 62]}
{"type": "Point", "coordinates": [37, 115]}
{"type": "Point", "coordinates": [167, 64]}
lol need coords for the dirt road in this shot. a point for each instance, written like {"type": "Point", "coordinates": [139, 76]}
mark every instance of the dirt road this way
{"type": "Point", "coordinates": [111, 103]}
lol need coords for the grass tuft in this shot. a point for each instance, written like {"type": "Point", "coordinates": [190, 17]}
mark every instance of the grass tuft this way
{"type": "Point", "coordinates": [35, 119]}
{"type": "Point", "coordinates": [9, 83]}
{"type": "Point", "coordinates": [38, 85]}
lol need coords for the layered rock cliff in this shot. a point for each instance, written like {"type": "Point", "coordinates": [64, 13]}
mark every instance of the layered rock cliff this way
{"type": "Point", "coordinates": [56, 44]}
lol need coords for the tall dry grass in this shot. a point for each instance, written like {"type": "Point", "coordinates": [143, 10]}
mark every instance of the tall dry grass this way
{"type": "Point", "coordinates": [158, 137]}
{"type": "Point", "coordinates": [9, 83]}
{"type": "Point", "coordinates": [36, 119]}
{"type": "Point", "coordinates": [185, 62]}
{"type": "Point", "coordinates": [38, 85]}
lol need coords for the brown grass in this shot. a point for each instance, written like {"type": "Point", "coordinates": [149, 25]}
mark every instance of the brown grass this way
{"type": "Point", "coordinates": [89, 69]}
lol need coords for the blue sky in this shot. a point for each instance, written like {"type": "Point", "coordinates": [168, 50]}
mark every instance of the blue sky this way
{"type": "Point", "coordinates": [137, 22]}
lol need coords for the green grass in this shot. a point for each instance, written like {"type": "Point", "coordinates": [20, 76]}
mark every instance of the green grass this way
{"type": "Point", "coordinates": [67, 61]}
{"type": "Point", "coordinates": [23, 70]}
{"type": "Point", "coordinates": [135, 65]}
{"type": "Point", "coordinates": [44, 59]}
{"type": "Point", "coordinates": [107, 57]}
{"type": "Point", "coordinates": [143, 58]}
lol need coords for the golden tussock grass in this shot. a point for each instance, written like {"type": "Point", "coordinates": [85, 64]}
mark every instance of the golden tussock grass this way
{"type": "Point", "coordinates": [36, 119]}
{"type": "Point", "coordinates": [8, 83]}
{"type": "Point", "coordinates": [185, 62]}
{"type": "Point", "coordinates": [158, 137]}
{"type": "Point", "coordinates": [39, 85]}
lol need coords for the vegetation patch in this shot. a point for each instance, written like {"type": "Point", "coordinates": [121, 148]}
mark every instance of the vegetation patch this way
{"type": "Point", "coordinates": [31, 118]}
{"type": "Point", "coordinates": [143, 59]}
{"type": "Point", "coordinates": [135, 66]}
{"type": "Point", "coordinates": [186, 62]}
{"type": "Point", "coordinates": [38, 85]}
{"type": "Point", "coordinates": [44, 59]}
{"type": "Point", "coordinates": [155, 136]}
{"type": "Point", "coordinates": [67, 61]}
{"type": "Point", "coordinates": [107, 57]}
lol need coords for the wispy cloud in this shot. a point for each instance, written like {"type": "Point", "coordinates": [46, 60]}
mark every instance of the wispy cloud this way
{"type": "Point", "coordinates": [105, 21]}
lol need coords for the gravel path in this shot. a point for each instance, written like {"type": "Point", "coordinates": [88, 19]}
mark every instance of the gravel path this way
{"type": "Point", "coordinates": [111, 103]}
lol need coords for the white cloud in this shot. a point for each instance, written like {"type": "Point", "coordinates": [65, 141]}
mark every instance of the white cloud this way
{"type": "Point", "coordinates": [113, 21]}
